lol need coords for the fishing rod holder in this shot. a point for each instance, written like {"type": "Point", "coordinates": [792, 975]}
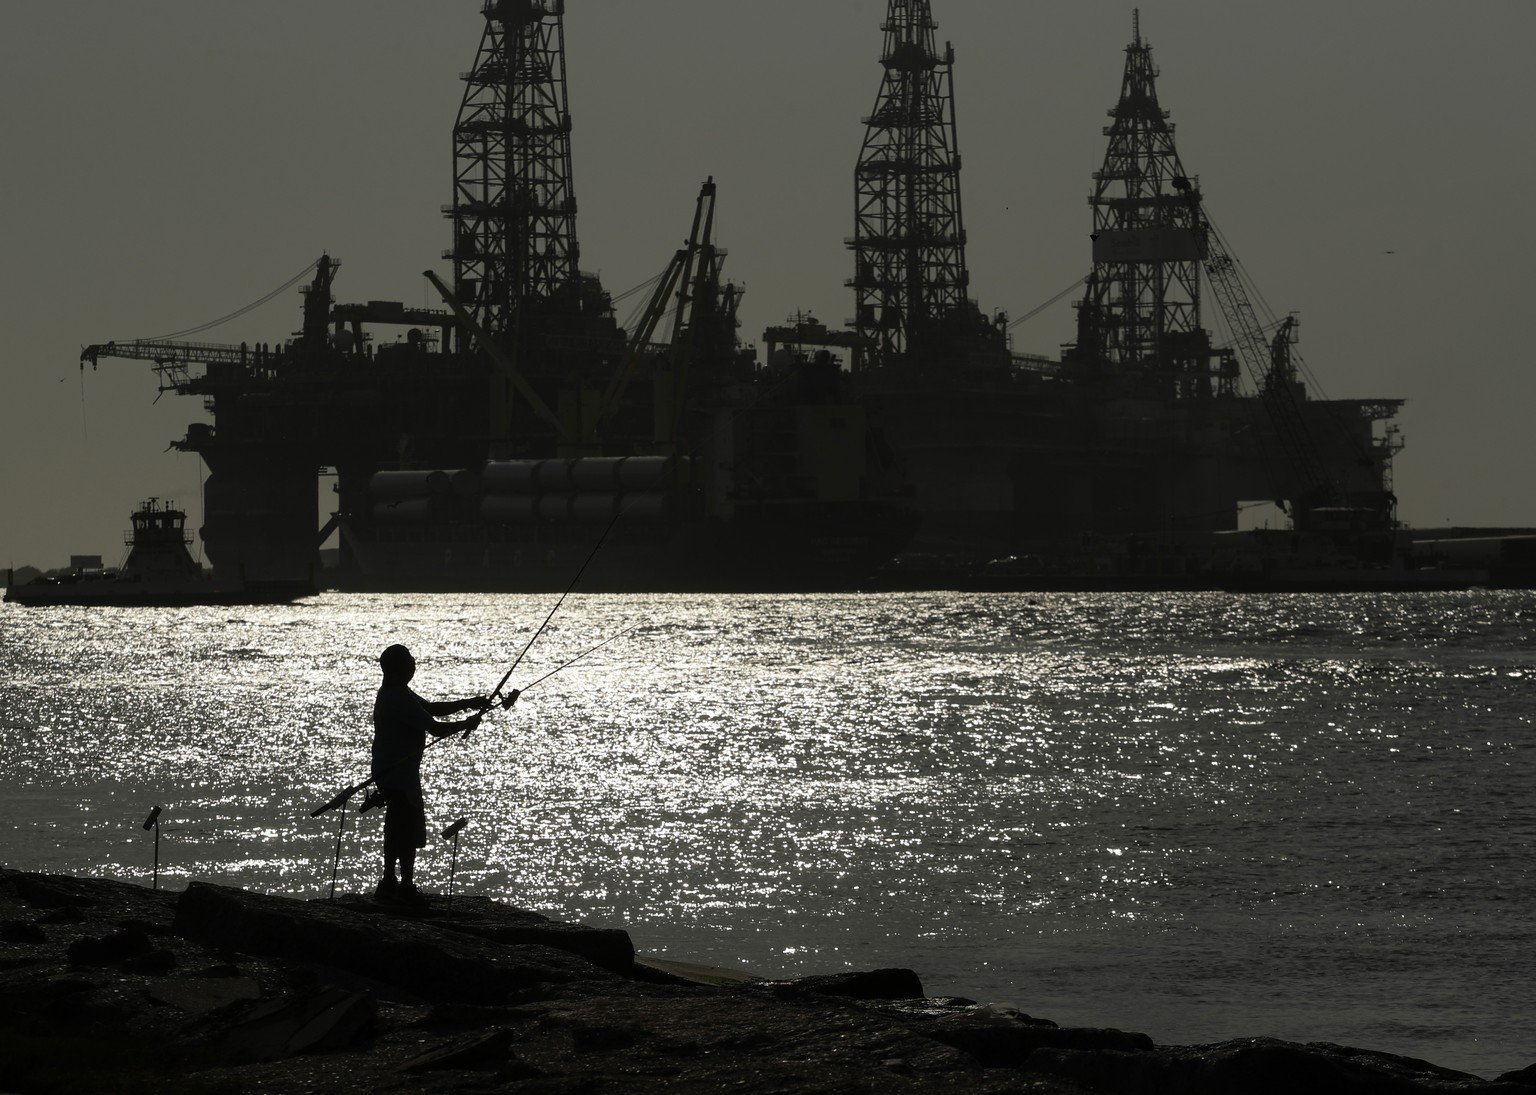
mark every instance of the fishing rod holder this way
{"type": "Point", "coordinates": [452, 833]}
{"type": "Point", "coordinates": [153, 822]}
{"type": "Point", "coordinates": [341, 802]}
{"type": "Point", "coordinates": [343, 797]}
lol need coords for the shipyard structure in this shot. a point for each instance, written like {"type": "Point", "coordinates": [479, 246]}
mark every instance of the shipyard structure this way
{"type": "Point", "coordinates": [519, 427]}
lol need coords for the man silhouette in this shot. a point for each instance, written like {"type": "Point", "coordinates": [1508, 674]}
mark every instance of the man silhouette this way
{"type": "Point", "coordinates": [402, 720]}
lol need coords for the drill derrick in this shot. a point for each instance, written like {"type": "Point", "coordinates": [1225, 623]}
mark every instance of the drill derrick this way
{"type": "Point", "coordinates": [1140, 314]}
{"type": "Point", "coordinates": [514, 212]}
{"type": "Point", "coordinates": [910, 276]}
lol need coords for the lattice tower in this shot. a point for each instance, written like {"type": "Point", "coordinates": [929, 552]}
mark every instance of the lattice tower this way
{"type": "Point", "coordinates": [1141, 308]}
{"type": "Point", "coordinates": [909, 243]}
{"type": "Point", "coordinates": [514, 211]}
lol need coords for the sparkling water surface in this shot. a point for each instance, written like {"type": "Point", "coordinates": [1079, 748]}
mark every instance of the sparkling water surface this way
{"type": "Point", "coordinates": [1201, 816]}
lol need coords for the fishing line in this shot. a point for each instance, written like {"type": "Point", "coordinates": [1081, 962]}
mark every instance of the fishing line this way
{"type": "Point", "coordinates": [345, 795]}
{"type": "Point", "coordinates": [578, 657]}
{"type": "Point", "coordinates": [503, 682]}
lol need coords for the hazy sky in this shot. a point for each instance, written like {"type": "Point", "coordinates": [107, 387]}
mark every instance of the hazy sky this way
{"type": "Point", "coordinates": [169, 161]}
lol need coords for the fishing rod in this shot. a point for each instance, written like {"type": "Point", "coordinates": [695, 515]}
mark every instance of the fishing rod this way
{"type": "Point", "coordinates": [345, 794]}
{"type": "Point", "coordinates": [526, 646]}
{"type": "Point", "coordinates": [512, 696]}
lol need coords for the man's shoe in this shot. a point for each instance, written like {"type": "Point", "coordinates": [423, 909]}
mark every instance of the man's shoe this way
{"type": "Point", "coordinates": [410, 897]}
{"type": "Point", "coordinates": [388, 889]}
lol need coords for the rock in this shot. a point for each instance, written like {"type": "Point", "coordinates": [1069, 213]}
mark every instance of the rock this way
{"type": "Point", "coordinates": [325, 1021]}
{"type": "Point", "coordinates": [1007, 1041]}
{"type": "Point", "coordinates": [1525, 1076]}
{"type": "Point", "coordinates": [480, 916]}
{"type": "Point", "coordinates": [155, 963]}
{"type": "Point", "coordinates": [883, 984]}
{"type": "Point", "coordinates": [492, 998]}
{"type": "Point", "coordinates": [1256, 1066]}
{"type": "Point", "coordinates": [430, 961]}
{"type": "Point", "coordinates": [597, 1037]}
{"type": "Point", "coordinates": [22, 931]}
{"type": "Point", "coordinates": [52, 892]}
{"type": "Point", "coordinates": [109, 949]}
{"type": "Point", "coordinates": [198, 995]}
{"type": "Point", "coordinates": [488, 1053]}
{"type": "Point", "coordinates": [66, 914]}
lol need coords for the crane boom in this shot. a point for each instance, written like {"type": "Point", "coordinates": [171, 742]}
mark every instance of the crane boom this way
{"type": "Point", "coordinates": [1311, 485]}
{"type": "Point", "coordinates": [173, 360]}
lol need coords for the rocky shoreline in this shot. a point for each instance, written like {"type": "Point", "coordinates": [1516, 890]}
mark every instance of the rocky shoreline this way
{"type": "Point", "coordinates": [113, 988]}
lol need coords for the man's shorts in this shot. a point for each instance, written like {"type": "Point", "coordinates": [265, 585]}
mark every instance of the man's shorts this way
{"type": "Point", "coordinates": [405, 820]}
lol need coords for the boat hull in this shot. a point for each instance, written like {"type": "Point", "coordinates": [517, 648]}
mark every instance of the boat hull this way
{"type": "Point", "coordinates": [117, 593]}
{"type": "Point", "coordinates": [766, 548]}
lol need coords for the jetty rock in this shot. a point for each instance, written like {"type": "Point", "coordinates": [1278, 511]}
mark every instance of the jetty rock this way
{"type": "Point", "coordinates": [108, 986]}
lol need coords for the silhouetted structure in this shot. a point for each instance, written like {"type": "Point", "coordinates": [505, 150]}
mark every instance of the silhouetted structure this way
{"type": "Point", "coordinates": [1120, 461]}
{"type": "Point", "coordinates": [910, 277]}
{"type": "Point", "coordinates": [490, 445]}
{"type": "Point", "coordinates": [514, 212]}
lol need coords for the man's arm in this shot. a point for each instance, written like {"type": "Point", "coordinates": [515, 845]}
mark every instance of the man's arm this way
{"type": "Point", "coordinates": [448, 729]}
{"type": "Point", "coordinates": [439, 708]}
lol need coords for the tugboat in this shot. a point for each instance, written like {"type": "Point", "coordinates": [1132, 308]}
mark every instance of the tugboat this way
{"type": "Point", "coordinates": [159, 571]}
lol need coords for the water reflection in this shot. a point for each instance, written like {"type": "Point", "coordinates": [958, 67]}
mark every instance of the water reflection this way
{"type": "Point", "coordinates": [1176, 785]}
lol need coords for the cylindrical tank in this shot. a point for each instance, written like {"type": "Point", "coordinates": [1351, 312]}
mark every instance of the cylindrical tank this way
{"type": "Point", "coordinates": [509, 509]}
{"type": "Point", "coordinates": [595, 473]}
{"type": "Point", "coordinates": [385, 485]}
{"type": "Point", "coordinates": [407, 511]}
{"type": "Point", "coordinates": [509, 476]}
{"type": "Point", "coordinates": [465, 483]}
{"type": "Point", "coordinates": [553, 475]}
{"type": "Point", "coordinates": [554, 508]}
{"type": "Point", "coordinates": [644, 507]}
{"type": "Point", "coordinates": [594, 508]}
{"type": "Point", "coordinates": [643, 472]}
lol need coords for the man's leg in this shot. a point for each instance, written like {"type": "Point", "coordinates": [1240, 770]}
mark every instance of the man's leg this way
{"type": "Point", "coordinates": [413, 835]}
{"type": "Point", "coordinates": [388, 889]}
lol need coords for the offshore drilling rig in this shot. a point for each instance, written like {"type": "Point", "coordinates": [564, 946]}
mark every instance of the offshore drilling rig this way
{"type": "Point", "coordinates": [1141, 336]}
{"type": "Point", "coordinates": [519, 426]}
{"type": "Point", "coordinates": [1127, 459]}
{"type": "Point", "coordinates": [926, 359]}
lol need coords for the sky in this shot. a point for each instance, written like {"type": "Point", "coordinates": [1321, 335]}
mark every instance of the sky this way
{"type": "Point", "coordinates": [169, 161]}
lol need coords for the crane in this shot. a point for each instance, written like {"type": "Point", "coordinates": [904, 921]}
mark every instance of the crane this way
{"type": "Point", "coordinates": [1311, 486]}
{"type": "Point", "coordinates": [174, 359]}
{"type": "Point", "coordinates": [692, 280]}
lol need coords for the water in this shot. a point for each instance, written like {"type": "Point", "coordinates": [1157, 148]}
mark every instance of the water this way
{"type": "Point", "coordinates": [1201, 816]}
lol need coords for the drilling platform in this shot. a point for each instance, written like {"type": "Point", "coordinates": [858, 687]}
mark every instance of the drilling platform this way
{"type": "Point", "coordinates": [1127, 460]}
{"type": "Point", "coordinates": [518, 426]}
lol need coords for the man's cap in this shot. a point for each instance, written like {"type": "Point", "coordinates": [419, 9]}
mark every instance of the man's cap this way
{"type": "Point", "coordinates": [395, 659]}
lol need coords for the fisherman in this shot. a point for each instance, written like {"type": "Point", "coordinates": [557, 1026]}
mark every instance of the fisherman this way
{"type": "Point", "coordinates": [401, 722]}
